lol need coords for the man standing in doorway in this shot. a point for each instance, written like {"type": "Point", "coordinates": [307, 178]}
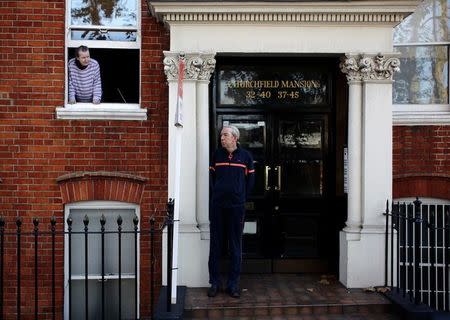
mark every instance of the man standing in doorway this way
{"type": "Point", "coordinates": [85, 84]}
{"type": "Point", "coordinates": [232, 178]}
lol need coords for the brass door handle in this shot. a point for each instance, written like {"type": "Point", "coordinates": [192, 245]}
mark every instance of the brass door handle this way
{"type": "Point", "coordinates": [278, 171]}
{"type": "Point", "coordinates": [266, 178]}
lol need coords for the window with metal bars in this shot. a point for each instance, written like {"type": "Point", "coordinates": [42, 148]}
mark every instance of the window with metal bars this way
{"type": "Point", "coordinates": [101, 261]}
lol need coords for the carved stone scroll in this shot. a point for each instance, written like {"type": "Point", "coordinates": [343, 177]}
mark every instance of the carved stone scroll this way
{"type": "Point", "coordinates": [199, 66]}
{"type": "Point", "coordinates": [364, 67]}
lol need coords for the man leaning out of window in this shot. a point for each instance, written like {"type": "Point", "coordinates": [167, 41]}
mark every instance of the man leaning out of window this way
{"type": "Point", "coordinates": [85, 84]}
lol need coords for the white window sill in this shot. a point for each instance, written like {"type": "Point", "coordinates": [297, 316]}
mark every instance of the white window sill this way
{"type": "Point", "coordinates": [414, 115]}
{"type": "Point", "coordinates": [103, 111]}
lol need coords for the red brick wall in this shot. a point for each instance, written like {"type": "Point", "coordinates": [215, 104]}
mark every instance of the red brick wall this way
{"type": "Point", "coordinates": [421, 161]}
{"type": "Point", "coordinates": [36, 148]}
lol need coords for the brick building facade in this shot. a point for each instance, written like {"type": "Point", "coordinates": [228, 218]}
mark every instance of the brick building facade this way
{"type": "Point", "coordinates": [421, 161]}
{"type": "Point", "coordinates": [125, 160]}
{"type": "Point", "coordinates": [47, 162]}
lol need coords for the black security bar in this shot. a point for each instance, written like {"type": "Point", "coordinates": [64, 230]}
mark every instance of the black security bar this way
{"type": "Point", "coordinates": [418, 253]}
{"type": "Point", "coordinates": [30, 246]}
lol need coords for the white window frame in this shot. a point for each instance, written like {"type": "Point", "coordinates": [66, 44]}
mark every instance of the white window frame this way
{"type": "Point", "coordinates": [102, 111]}
{"type": "Point", "coordinates": [421, 114]}
{"type": "Point", "coordinates": [92, 205]}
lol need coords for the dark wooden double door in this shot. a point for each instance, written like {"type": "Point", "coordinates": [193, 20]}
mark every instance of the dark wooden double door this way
{"type": "Point", "coordinates": [288, 227]}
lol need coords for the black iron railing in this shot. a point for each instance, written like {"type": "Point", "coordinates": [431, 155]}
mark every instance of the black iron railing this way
{"type": "Point", "coordinates": [46, 248]}
{"type": "Point", "coordinates": [417, 253]}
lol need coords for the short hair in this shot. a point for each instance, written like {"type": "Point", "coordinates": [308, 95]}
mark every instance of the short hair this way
{"type": "Point", "coordinates": [80, 49]}
{"type": "Point", "coordinates": [234, 131]}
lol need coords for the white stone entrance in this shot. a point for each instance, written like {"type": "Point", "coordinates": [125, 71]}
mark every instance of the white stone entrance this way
{"type": "Point", "coordinates": [360, 31]}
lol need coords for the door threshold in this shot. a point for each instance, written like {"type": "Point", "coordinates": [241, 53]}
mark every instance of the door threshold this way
{"type": "Point", "coordinates": [258, 266]}
{"type": "Point", "coordinates": [300, 266]}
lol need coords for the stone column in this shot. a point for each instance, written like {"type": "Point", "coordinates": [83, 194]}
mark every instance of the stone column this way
{"type": "Point", "coordinates": [208, 65]}
{"type": "Point", "coordinates": [370, 90]}
{"type": "Point", "coordinates": [194, 179]}
{"type": "Point", "coordinates": [378, 71]}
{"type": "Point", "coordinates": [187, 199]}
{"type": "Point", "coordinates": [349, 66]}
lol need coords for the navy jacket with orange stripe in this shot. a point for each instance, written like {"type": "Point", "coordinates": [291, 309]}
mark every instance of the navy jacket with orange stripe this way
{"type": "Point", "coordinates": [232, 177]}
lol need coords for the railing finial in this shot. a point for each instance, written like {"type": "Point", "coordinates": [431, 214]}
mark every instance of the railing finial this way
{"type": "Point", "coordinates": [86, 220]}
{"type": "Point", "coordinates": [102, 220]}
{"type": "Point", "coordinates": [18, 222]}
{"type": "Point", "coordinates": [417, 202]}
{"type": "Point", "coordinates": [69, 220]}
{"type": "Point", "coordinates": [53, 222]}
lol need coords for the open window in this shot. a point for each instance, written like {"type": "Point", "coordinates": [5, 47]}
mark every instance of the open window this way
{"type": "Point", "coordinates": [119, 73]}
{"type": "Point", "coordinates": [111, 30]}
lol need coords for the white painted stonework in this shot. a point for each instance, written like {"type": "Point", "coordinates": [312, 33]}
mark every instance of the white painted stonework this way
{"type": "Point", "coordinates": [359, 31]}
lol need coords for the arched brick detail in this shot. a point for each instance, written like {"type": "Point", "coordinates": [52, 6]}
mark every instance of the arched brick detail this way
{"type": "Point", "coordinates": [113, 186]}
{"type": "Point", "coordinates": [422, 186]}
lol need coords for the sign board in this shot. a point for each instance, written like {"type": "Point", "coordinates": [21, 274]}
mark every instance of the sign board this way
{"type": "Point", "coordinates": [275, 85]}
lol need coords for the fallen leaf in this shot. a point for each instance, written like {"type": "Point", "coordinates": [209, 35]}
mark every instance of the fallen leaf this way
{"type": "Point", "coordinates": [383, 289]}
{"type": "Point", "coordinates": [324, 281]}
{"type": "Point", "coordinates": [310, 289]}
{"type": "Point", "coordinates": [370, 289]}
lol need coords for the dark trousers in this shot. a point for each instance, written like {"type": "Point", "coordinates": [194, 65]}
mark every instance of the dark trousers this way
{"type": "Point", "coordinates": [231, 221]}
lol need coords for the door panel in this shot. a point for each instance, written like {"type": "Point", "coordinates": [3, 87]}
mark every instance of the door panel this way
{"type": "Point", "coordinates": [253, 131]}
{"type": "Point", "coordinates": [300, 154]}
{"type": "Point", "coordinates": [285, 213]}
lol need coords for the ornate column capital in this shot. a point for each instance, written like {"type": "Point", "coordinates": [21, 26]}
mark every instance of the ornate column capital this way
{"type": "Point", "coordinates": [208, 66]}
{"type": "Point", "coordinates": [199, 66]}
{"type": "Point", "coordinates": [365, 67]}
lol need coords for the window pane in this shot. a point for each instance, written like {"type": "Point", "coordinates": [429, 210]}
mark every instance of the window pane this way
{"type": "Point", "coordinates": [301, 155]}
{"type": "Point", "coordinates": [424, 75]}
{"type": "Point", "coordinates": [429, 23]}
{"type": "Point", "coordinates": [111, 299]}
{"type": "Point", "coordinates": [94, 242]}
{"type": "Point", "coordinates": [111, 13]}
{"type": "Point", "coordinates": [111, 35]}
{"type": "Point", "coordinates": [309, 172]}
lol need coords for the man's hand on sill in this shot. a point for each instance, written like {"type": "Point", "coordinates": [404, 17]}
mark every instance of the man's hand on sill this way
{"type": "Point", "coordinates": [93, 102]}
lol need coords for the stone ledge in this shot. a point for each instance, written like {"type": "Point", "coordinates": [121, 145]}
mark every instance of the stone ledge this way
{"type": "Point", "coordinates": [336, 12]}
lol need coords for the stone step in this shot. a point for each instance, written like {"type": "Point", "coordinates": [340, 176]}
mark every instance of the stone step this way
{"type": "Point", "coordinates": [380, 316]}
{"type": "Point", "coordinates": [286, 296]}
{"type": "Point", "coordinates": [363, 311]}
